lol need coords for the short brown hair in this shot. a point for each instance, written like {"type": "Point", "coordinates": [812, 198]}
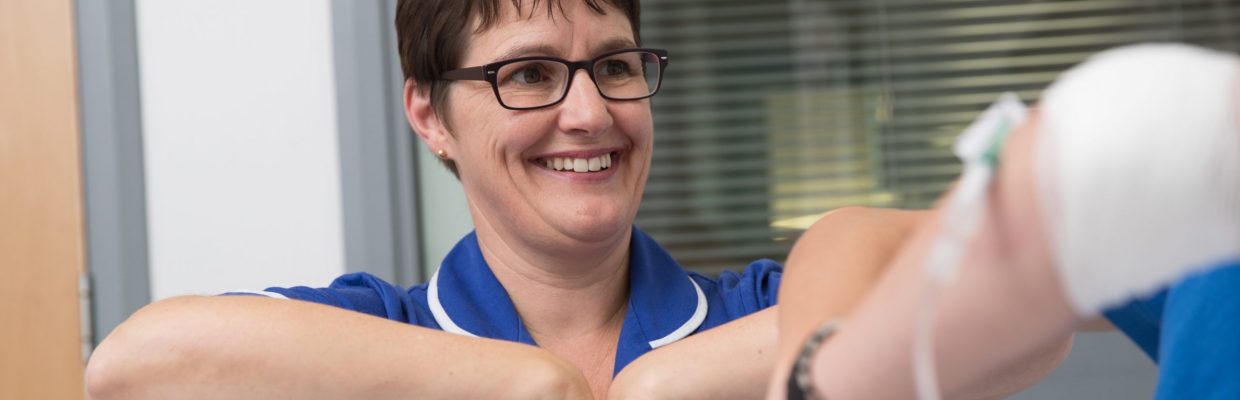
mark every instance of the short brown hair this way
{"type": "Point", "coordinates": [432, 34]}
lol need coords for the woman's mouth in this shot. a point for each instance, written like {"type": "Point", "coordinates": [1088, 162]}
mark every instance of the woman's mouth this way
{"type": "Point", "coordinates": [579, 165]}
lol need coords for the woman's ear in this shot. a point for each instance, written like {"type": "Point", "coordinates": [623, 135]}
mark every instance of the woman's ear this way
{"type": "Point", "coordinates": [423, 119]}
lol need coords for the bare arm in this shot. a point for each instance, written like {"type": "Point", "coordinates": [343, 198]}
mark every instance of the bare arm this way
{"type": "Point", "coordinates": [259, 348]}
{"type": "Point", "coordinates": [730, 361]}
{"type": "Point", "coordinates": [830, 270]}
{"type": "Point", "coordinates": [839, 261]}
{"type": "Point", "coordinates": [1005, 305]}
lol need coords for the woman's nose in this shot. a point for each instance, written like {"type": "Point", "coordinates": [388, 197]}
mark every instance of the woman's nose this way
{"type": "Point", "coordinates": [584, 110]}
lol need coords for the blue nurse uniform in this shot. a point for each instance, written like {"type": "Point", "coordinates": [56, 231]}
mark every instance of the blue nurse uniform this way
{"type": "Point", "coordinates": [666, 302]}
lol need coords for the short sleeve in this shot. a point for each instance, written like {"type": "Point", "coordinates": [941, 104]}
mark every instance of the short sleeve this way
{"type": "Point", "coordinates": [1200, 353]}
{"type": "Point", "coordinates": [753, 290]}
{"type": "Point", "coordinates": [359, 292]}
{"type": "Point", "coordinates": [1141, 321]}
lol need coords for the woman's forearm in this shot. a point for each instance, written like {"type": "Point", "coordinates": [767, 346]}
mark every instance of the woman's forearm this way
{"type": "Point", "coordinates": [732, 361]}
{"type": "Point", "coordinates": [246, 347]}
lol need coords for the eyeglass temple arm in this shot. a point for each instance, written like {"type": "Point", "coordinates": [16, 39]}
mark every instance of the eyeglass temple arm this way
{"type": "Point", "coordinates": [466, 74]}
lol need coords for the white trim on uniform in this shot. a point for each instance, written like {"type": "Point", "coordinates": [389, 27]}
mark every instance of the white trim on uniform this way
{"type": "Point", "coordinates": [263, 293]}
{"type": "Point", "coordinates": [699, 315]}
{"type": "Point", "coordinates": [448, 325]}
{"type": "Point", "coordinates": [441, 316]}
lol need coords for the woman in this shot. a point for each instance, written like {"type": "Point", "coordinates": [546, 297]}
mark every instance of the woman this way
{"type": "Point", "coordinates": [541, 109]}
{"type": "Point", "coordinates": [553, 152]}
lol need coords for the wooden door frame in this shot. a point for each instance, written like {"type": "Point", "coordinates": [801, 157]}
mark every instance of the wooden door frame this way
{"type": "Point", "coordinates": [41, 236]}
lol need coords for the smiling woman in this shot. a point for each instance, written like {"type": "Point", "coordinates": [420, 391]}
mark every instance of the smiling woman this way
{"type": "Point", "coordinates": [547, 124]}
{"type": "Point", "coordinates": [541, 108]}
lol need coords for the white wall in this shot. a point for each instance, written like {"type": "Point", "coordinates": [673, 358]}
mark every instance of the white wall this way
{"type": "Point", "coordinates": [239, 124]}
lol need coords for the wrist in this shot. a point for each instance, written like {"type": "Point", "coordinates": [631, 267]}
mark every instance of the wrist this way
{"type": "Point", "coordinates": [800, 380]}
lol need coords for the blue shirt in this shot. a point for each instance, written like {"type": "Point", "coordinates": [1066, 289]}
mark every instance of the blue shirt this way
{"type": "Point", "coordinates": [666, 303]}
{"type": "Point", "coordinates": [1192, 330]}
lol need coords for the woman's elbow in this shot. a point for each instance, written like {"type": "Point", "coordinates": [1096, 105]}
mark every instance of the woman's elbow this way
{"type": "Point", "coordinates": [106, 375]}
{"type": "Point", "coordinates": [138, 352]}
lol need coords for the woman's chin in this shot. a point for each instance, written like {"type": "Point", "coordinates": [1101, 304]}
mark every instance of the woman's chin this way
{"type": "Point", "coordinates": [594, 229]}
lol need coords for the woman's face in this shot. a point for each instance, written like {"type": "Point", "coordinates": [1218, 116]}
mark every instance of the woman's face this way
{"type": "Point", "coordinates": [502, 155]}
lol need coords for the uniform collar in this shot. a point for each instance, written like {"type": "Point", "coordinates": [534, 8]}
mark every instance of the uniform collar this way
{"type": "Point", "coordinates": [665, 304]}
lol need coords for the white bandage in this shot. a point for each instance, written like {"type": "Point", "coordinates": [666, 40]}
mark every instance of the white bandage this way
{"type": "Point", "coordinates": [1138, 170]}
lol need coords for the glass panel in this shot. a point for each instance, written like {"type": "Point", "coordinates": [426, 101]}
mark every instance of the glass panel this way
{"type": "Point", "coordinates": [775, 112]}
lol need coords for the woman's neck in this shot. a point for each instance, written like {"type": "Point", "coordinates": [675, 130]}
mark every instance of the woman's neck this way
{"type": "Point", "coordinates": [562, 295]}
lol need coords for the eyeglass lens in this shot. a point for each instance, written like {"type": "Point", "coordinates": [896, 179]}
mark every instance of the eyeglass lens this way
{"type": "Point", "coordinates": [535, 83]}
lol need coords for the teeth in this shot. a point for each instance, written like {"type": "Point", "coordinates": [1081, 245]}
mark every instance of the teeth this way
{"type": "Point", "coordinates": [593, 164]}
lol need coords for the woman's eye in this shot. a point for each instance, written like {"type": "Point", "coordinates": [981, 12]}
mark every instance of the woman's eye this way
{"type": "Point", "coordinates": [528, 75]}
{"type": "Point", "coordinates": [615, 67]}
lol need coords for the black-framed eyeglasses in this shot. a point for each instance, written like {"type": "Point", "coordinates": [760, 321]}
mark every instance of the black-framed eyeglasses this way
{"type": "Point", "coordinates": [527, 83]}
